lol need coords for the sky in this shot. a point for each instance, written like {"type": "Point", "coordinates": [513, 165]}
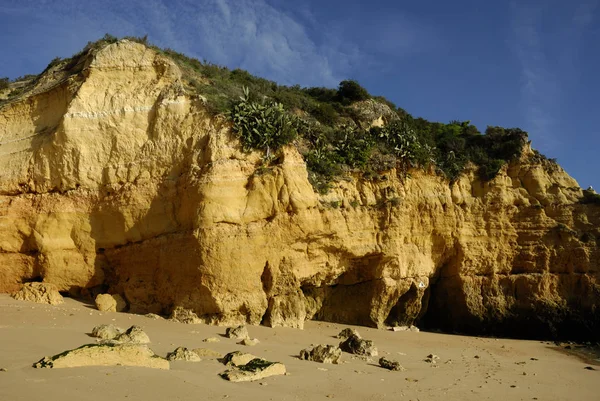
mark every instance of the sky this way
{"type": "Point", "coordinates": [532, 64]}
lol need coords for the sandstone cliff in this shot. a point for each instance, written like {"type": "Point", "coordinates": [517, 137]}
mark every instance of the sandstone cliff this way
{"type": "Point", "coordinates": [112, 178]}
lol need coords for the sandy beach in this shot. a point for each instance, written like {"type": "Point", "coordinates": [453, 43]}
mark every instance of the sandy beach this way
{"type": "Point", "coordinates": [469, 368]}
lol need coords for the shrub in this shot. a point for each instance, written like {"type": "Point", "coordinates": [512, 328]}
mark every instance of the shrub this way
{"type": "Point", "coordinates": [350, 91]}
{"type": "Point", "coordinates": [590, 197]}
{"type": "Point", "coordinates": [4, 83]}
{"type": "Point", "coordinates": [260, 126]}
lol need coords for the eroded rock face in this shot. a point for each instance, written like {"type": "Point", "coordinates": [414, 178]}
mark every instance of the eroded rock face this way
{"type": "Point", "coordinates": [105, 355]}
{"type": "Point", "coordinates": [116, 177]}
{"type": "Point", "coordinates": [41, 293]}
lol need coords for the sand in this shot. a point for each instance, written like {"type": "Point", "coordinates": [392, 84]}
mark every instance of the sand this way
{"type": "Point", "coordinates": [469, 368]}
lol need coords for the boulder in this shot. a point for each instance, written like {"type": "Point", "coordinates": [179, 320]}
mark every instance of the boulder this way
{"type": "Point", "coordinates": [239, 332]}
{"type": "Point", "coordinates": [110, 303]}
{"type": "Point", "coordinates": [249, 342]}
{"type": "Point", "coordinates": [237, 358]}
{"type": "Point", "coordinates": [390, 364]}
{"type": "Point", "coordinates": [358, 346]}
{"type": "Point", "coordinates": [106, 331]}
{"type": "Point", "coordinates": [133, 335]}
{"type": "Point", "coordinates": [183, 315]}
{"type": "Point", "coordinates": [347, 332]}
{"type": "Point", "coordinates": [322, 353]}
{"type": "Point", "coordinates": [105, 355]}
{"type": "Point", "coordinates": [256, 369]}
{"type": "Point", "coordinates": [41, 293]}
{"type": "Point", "coordinates": [183, 354]}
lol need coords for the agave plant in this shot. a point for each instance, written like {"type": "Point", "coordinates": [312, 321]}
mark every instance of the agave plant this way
{"type": "Point", "coordinates": [262, 126]}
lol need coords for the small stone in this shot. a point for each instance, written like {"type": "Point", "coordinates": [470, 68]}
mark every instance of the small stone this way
{"type": "Point", "coordinates": [348, 332]}
{"type": "Point", "coordinates": [432, 358]}
{"type": "Point", "coordinates": [476, 357]}
{"type": "Point", "coordinates": [211, 340]}
{"type": "Point", "coordinates": [3, 370]}
{"type": "Point", "coordinates": [154, 316]}
{"type": "Point", "coordinates": [590, 368]}
{"type": "Point", "coordinates": [358, 346]}
{"type": "Point", "coordinates": [390, 364]}
{"type": "Point", "coordinates": [322, 353]}
{"type": "Point", "coordinates": [183, 354]}
{"type": "Point", "coordinates": [133, 335]}
{"type": "Point", "coordinates": [106, 331]}
{"type": "Point", "coordinates": [239, 332]}
{"type": "Point", "coordinates": [237, 358]}
{"type": "Point", "coordinates": [249, 342]}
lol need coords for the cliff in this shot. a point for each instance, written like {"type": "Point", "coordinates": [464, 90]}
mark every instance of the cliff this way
{"type": "Point", "coordinates": [114, 178]}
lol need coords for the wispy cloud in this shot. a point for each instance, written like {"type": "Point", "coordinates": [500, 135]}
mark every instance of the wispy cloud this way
{"type": "Point", "coordinates": [281, 41]}
{"type": "Point", "coordinates": [548, 60]}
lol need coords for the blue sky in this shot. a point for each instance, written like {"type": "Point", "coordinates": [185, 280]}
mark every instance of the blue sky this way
{"type": "Point", "coordinates": [532, 64]}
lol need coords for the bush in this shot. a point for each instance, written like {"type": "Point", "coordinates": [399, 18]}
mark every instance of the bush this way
{"type": "Point", "coordinates": [590, 197]}
{"type": "Point", "coordinates": [4, 83]}
{"type": "Point", "coordinates": [350, 91]}
{"type": "Point", "coordinates": [260, 126]}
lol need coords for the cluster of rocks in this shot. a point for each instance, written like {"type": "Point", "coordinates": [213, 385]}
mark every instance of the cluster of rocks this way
{"type": "Point", "coordinates": [118, 347]}
{"type": "Point", "coordinates": [352, 343]}
{"type": "Point", "coordinates": [115, 347]}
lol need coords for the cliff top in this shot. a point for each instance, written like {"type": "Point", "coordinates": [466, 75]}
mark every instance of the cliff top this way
{"type": "Point", "coordinates": [338, 131]}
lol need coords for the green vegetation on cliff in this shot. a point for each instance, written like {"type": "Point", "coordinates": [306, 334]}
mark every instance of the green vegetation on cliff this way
{"type": "Point", "coordinates": [334, 129]}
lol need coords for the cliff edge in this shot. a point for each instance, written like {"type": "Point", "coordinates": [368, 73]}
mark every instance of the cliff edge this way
{"type": "Point", "coordinates": [114, 178]}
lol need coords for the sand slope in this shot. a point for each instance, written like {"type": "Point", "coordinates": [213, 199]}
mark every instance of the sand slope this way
{"type": "Point", "coordinates": [30, 331]}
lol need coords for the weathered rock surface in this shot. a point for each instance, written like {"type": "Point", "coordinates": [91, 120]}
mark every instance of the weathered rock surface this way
{"type": "Point", "coordinates": [110, 303]}
{"type": "Point", "coordinates": [358, 346]}
{"type": "Point", "coordinates": [41, 293]}
{"type": "Point", "coordinates": [322, 353]}
{"type": "Point", "coordinates": [390, 364]}
{"type": "Point", "coordinates": [237, 358]}
{"type": "Point", "coordinates": [133, 335]}
{"type": "Point", "coordinates": [348, 332]}
{"type": "Point", "coordinates": [256, 369]}
{"type": "Point", "coordinates": [106, 331]}
{"type": "Point", "coordinates": [183, 315]}
{"type": "Point", "coordinates": [112, 175]}
{"type": "Point", "coordinates": [183, 354]}
{"type": "Point", "coordinates": [105, 355]}
{"type": "Point", "coordinates": [239, 332]}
